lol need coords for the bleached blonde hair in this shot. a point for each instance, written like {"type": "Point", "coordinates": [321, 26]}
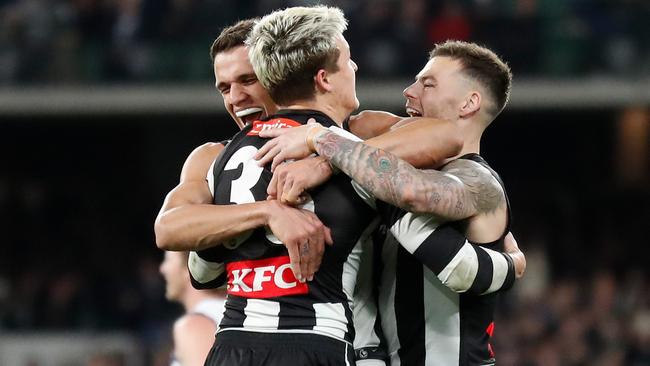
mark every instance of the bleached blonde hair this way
{"type": "Point", "coordinates": [288, 47]}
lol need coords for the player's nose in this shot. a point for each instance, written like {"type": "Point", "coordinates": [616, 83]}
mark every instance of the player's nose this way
{"type": "Point", "coordinates": [408, 92]}
{"type": "Point", "coordinates": [237, 94]}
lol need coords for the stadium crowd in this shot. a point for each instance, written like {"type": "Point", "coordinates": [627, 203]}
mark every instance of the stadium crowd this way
{"type": "Point", "coordinates": [89, 41]}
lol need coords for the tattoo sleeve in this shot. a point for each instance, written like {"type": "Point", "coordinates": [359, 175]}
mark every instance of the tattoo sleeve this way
{"type": "Point", "coordinates": [461, 191]}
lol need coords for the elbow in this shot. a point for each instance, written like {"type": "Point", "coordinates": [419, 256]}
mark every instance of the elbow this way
{"type": "Point", "coordinates": [409, 200]}
{"type": "Point", "coordinates": [414, 200]}
{"type": "Point", "coordinates": [519, 260]}
{"type": "Point", "coordinates": [165, 238]}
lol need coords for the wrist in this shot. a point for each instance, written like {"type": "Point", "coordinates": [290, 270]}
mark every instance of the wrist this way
{"type": "Point", "coordinates": [269, 209]}
{"type": "Point", "coordinates": [327, 166]}
{"type": "Point", "coordinates": [312, 134]}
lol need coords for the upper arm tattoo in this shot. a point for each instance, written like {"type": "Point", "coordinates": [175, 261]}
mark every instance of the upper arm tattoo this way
{"type": "Point", "coordinates": [454, 194]}
{"type": "Point", "coordinates": [485, 191]}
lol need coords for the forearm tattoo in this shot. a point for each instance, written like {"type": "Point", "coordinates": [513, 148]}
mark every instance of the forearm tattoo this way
{"type": "Point", "coordinates": [396, 182]}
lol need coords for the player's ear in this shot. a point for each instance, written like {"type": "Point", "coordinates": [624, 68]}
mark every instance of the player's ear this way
{"type": "Point", "coordinates": [322, 81]}
{"type": "Point", "coordinates": [471, 104]}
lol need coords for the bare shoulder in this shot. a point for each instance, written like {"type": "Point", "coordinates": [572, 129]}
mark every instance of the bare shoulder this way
{"type": "Point", "coordinates": [199, 161]}
{"type": "Point", "coordinates": [487, 193]}
{"type": "Point", "coordinates": [208, 150]}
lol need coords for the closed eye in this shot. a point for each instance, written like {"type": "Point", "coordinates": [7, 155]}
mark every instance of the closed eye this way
{"type": "Point", "coordinates": [428, 82]}
{"type": "Point", "coordinates": [249, 81]}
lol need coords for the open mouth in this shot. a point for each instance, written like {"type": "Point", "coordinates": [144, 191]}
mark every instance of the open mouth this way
{"type": "Point", "coordinates": [249, 115]}
{"type": "Point", "coordinates": [413, 112]}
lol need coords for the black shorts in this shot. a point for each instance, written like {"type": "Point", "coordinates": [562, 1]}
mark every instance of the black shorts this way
{"type": "Point", "coordinates": [241, 348]}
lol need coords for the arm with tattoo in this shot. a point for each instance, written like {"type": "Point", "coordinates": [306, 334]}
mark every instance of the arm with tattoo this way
{"type": "Point", "coordinates": [461, 190]}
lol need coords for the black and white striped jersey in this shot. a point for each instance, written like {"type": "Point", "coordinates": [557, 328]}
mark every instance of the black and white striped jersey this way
{"type": "Point", "coordinates": [437, 291]}
{"type": "Point", "coordinates": [369, 342]}
{"type": "Point", "coordinates": [263, 294]}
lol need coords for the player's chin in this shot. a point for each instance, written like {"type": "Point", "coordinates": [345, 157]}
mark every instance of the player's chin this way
{"type": "Point", "coordinates": [353, 104]}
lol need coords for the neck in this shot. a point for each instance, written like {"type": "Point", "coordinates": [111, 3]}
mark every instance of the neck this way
{"type": "Point", "coordinates": [472, 132]}
{"type": "Point", "coordinates": [336, 114]}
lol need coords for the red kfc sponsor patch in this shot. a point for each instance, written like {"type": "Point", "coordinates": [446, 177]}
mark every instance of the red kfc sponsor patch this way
{"type": "Point", "coordinates": [259, 126]}
{"type": "Point", "coordinates": [264, 278]}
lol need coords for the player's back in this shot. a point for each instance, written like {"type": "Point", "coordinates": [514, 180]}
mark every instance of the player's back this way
{"type": "Point", "coordinates": [264, 295]}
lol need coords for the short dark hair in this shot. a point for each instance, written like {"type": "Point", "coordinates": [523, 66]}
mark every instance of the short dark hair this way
{"type": "Point", "coordinates": [232, 36]}
{"type": "Point", "coordinates": [481, 64]}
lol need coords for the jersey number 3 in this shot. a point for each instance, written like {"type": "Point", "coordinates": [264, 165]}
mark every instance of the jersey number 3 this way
{"type": "Point", "coordinates": [240, 188]}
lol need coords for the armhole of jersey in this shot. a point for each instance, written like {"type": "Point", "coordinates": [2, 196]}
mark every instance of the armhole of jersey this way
{"type": "Point", "coordinates": [364, 194]}
{"type": "Point", "coordinates": [210, 178]}
{"type": "Point", "coordinates": [346, 124]}
{"type": "Point", "coordinates": [479, 160]}
{"type": "Point", "coordinates": [210, 174]}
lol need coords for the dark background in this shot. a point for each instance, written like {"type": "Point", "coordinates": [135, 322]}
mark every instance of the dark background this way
{"type": "Point", "coordinates": [81, 186]}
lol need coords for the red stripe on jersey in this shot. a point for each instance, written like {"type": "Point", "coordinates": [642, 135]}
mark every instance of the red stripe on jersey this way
{"type": "Point", "coordinates": [264, 278]}
{"type": "Point", "coordinates": [259, 126]}
{"type": "Point", "coordinates": [490, 332]}
{"type": "Point", "coordinates": [490, 329]}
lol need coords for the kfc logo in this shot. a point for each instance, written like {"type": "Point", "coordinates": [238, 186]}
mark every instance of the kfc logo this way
{"type": "Point", "coordinates": [263, 278]}
{"type": "Point", "coordinates": [259, 126]}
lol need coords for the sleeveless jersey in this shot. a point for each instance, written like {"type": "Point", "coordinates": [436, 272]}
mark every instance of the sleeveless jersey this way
{"type": "Point", "coordinates": [263, 294]}
{"type": "Point", "coordinates": [438, 291]}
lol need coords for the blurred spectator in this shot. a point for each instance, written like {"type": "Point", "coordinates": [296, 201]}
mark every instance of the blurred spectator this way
{"type": "Point", "coordinates": [166, 40]}
{"type": "Point", "coordinates": [451, 22]}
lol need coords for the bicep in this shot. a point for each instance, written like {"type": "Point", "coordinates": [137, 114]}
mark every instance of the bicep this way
{"type": "Point", "coordinates": [193, 187]}
{"type": "Point", "coordinates": [187, 193]}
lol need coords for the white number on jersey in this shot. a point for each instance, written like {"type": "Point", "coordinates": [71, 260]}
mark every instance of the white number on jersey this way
{"type": "Point", "coordinates": [240, 188]}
